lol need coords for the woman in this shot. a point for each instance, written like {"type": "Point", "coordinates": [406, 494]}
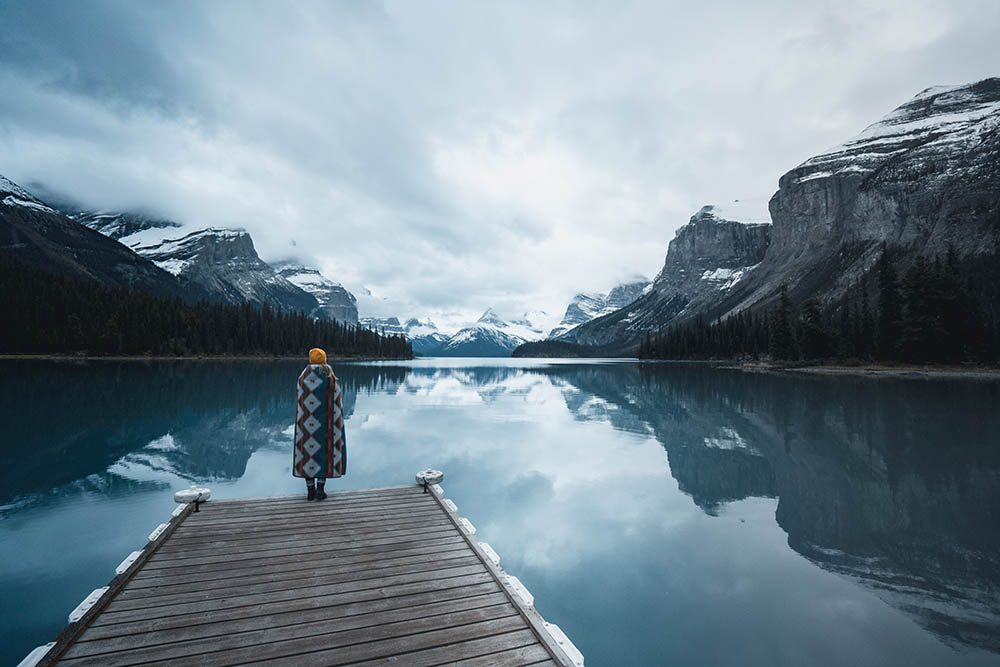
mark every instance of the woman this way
{"type": "Point", "coordinates": [320, 449]}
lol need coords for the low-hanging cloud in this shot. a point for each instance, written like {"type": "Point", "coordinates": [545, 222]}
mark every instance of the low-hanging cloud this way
{"type": "Point", "coordinates": [452, 156]}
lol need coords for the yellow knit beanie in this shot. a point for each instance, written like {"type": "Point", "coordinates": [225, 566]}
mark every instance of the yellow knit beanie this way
{"type": "Point", "coordinates": [317, 356]}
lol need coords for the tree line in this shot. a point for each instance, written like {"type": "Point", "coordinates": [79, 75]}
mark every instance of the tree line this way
{"type": "Point", "coordinates": [929, 315]}
{"type": "Point", "coordinates": [45, 313]}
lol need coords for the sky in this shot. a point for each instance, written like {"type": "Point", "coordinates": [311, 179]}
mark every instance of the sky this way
{"type": "Point", "coordinates": [453, 156]}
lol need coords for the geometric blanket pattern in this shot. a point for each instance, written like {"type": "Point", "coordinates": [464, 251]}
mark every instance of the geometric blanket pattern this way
{"type": "Point", "coordinates": [320, 448]}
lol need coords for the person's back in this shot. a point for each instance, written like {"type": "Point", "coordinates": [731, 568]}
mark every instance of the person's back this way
{"type": "Point", "coordinates": [320, 447]}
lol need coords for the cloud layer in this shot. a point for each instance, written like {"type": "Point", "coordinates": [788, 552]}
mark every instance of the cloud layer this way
{"type": "Point", "coordinates": [451, 156]}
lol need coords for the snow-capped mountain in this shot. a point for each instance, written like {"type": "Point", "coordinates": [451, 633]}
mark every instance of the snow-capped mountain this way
{"type": "Point", "coordinates": [705, 259]}
{"type": "Point", "coordinates": [335, 302]}
{"type": "Point", "coordinates": [923, 180]}
{"type": "Point", "coordinates": [424, 336]}
{"type": "Point", "coordinates": [38, 235]}
{"type": "Point", "coordinates": [121, 225]}
{"type": "Point", "coordinates": [225, 262]}
{"type": "Point", "coordinates": [490, 336]}
{"type": "Point", "coordinates": [390, 325]}
{"type": "Point", "coordinates": [587, 306]}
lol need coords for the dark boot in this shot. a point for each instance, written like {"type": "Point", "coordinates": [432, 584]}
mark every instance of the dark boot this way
{"type": "Point", "coordinates": [310, 490]}
{"type": "Point", "coordinates": [320, 493]}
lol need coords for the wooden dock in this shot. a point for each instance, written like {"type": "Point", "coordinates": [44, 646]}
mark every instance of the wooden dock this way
{"type": "Point", "coordinates": [381, 576]}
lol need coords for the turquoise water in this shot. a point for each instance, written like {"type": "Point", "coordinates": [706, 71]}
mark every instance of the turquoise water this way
{"type": "Point", "coordinates": [660, 514]}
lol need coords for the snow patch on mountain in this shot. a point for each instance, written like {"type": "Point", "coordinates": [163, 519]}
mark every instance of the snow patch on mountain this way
{"type": "Point", "coordinates": [335, 302]}
{"type": "Point", "coordinates": [225, 262]}
{"type": "Point", "coordinates": [11, 200]}
{"type": "Point", "coordinates": [933, 118]}
{"type": "Point", "coordinates": [748, 211]}
{"type": "Point", "coordinates": [9, 186]}
{"type": "Point", "coordinates": [588, 306]}
{"type": "Point", "coordinates": [18, 196]}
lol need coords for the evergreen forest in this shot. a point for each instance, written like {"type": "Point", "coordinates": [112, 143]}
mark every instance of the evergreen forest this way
{"type": "Point", "coordinates": [45, 313]}
{"type": "Point", "coordinates": [927, 314]}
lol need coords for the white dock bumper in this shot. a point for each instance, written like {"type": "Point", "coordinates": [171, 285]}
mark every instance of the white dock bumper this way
{"type": "Point", "coordinates": [490, 553]}
{"type": "Point", "coordinates": [157, 531]}
{"type": "Point", "coordinates": [572, 652]}
{"type": "Point", "coordinates": [36, 655]}
{"type": "Point", "coordinates": [527, 599]}
{"type": "Point", "coordinates": [127, 563]}
{"type": "Point", "coordinates": [87, 603]}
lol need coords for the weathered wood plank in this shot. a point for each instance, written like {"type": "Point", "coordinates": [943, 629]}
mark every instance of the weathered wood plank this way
{"type": "Point", "coordinates": [325, 507]}
{"type": "Point", "coordinates": [332, 490]}
{"type": "Point", "coordinates": [384, 641]}
{"type": "Point", "coordinates": [280, 539]}
{"type": "Point", "coordinates": [260, 600]}
{"type": "Point", "coordinates": [300, 497]}
{"type": "Point", "coordinates": [148, 599]}
{"type": "Point", "coordinates": [288, 529]}
{"type": "Point", "coordinates": [298, 605]}
{"type": "Point", "coordinates": [347, 561]}
{"type": "Point", "coordinates": [531, 654]}
{"type": "Point", "coordinates": [404, 537]}
{"type": "Point", "coordinates": [354, 615]}
{"type": "Point", "coordinates": [205, 519]}
{"type": "Point", "coordinates": [209, 517]}
{"type": "Point", "coordinates": [281, 572]}
{"type": "Point", "coordinates": [483, 648]}
{"type": "Point", "coordinates": [347, 556]}
{"type": "Point", "coordinates": [375, 531]}
{"type": "Point", "coordinates": [291, 527]}
{"type": "Point", "coordinates": [440, 614]}
{"type": "Point", "coordinates": [320, 522]}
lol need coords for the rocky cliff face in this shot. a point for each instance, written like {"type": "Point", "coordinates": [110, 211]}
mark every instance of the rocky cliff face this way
{"type": "Point", "coordinates": [925, 177]}
{"type": "Point", "coordinates": [335, 302]}
{"type": "Point", "coordinates": [706, 258]}
{"type": "Point", "coordinates": [225, 263]}
{"type": "Point", "coordinates": [33, 233]}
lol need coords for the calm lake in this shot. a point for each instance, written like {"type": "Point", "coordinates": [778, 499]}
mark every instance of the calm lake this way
{"type": "Point", "coordinates": [660, 514]}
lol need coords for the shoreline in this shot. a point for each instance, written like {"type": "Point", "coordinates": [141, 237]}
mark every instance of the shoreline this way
{"type": "Point", "coordinates": [144, 357]}
{"type": "Point", "coordinates": [877, 371]}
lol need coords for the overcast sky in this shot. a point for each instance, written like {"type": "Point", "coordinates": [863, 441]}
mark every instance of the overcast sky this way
{"type": "Point", "coordinates": [451, 156]}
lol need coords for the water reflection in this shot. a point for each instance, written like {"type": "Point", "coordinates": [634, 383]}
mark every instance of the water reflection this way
{"type": "Point", "coordinates": [892, 486]}
{"type": "Point", "coordinates": [895, 484]}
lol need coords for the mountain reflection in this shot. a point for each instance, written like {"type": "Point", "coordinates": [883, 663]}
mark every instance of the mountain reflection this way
{"type": "Point", "coordinates": [196, 420]}
{"type": "Point", "coordinates": [895, 484]}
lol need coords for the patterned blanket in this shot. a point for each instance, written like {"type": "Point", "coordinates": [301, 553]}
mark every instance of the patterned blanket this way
{"type": "Point", "coordinates": [320, 448]}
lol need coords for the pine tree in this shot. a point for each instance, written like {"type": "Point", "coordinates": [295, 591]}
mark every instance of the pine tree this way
{"type": "Point", "coordinates": [782, 344]}
{"type": "Point", "coordinates": [890, 310]}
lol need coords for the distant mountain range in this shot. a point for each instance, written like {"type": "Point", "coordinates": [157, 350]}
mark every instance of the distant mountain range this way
{"type": "Point", "coordinates": [490, 336]}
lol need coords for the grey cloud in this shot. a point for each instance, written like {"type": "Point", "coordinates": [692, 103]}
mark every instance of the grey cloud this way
{"type": "Point", "coordinates": [449, 155]}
